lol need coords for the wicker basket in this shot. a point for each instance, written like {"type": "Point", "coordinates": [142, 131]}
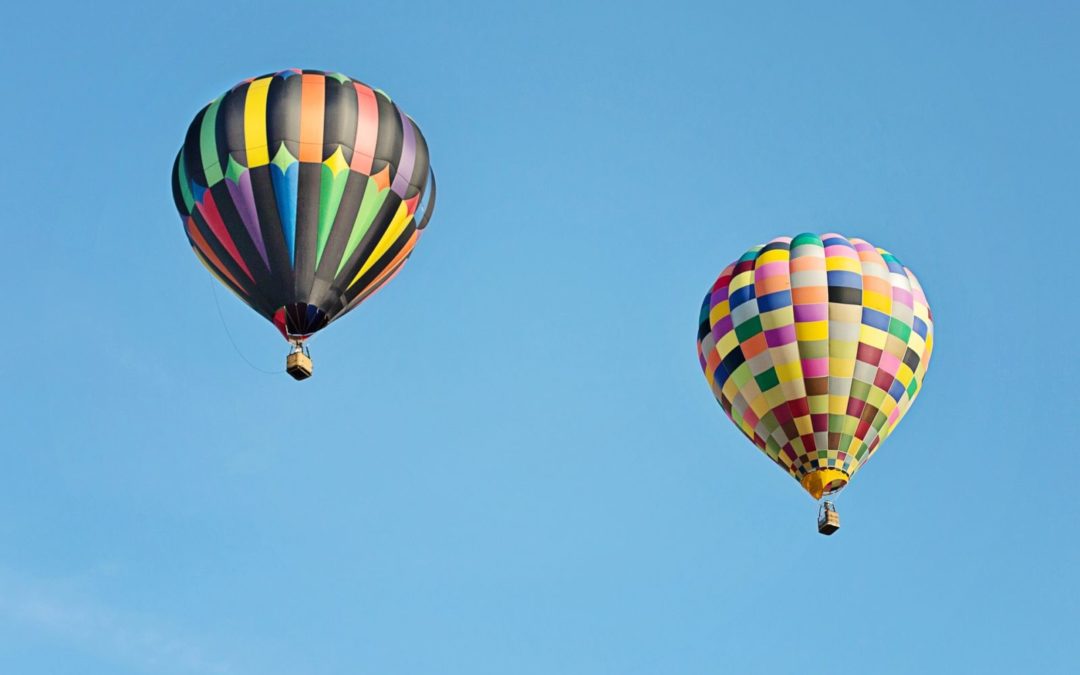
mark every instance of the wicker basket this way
{"type": "Point", "coordinates": [298, 365]}
{"type": "Point", "coordinates": [828, 521]}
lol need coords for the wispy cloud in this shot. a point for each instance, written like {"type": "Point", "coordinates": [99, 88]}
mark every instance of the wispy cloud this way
{"type": "Point", "coordinates": [135, 640]}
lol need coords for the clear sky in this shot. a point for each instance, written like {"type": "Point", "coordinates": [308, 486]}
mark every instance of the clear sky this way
{"type": "Point", "coordinates": [508, 461]}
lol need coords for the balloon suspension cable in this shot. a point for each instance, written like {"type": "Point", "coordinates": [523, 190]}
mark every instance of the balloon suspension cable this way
{"type": "Point", "coordinates": [299, 345]}
{"type": "Point", "coordinates": [228, 334]}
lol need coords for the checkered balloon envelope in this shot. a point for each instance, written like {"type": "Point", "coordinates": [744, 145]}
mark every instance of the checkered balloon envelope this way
{"type": "Point", "coordinates": [816, 347]}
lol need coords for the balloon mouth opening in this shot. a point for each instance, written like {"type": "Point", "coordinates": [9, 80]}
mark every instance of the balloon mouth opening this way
{"type": "Point", "coordinates": [822, 482]}
{"type": "Point", "coordinates": [299, 321]}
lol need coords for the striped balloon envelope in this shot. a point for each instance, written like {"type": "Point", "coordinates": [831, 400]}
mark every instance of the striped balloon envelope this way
{"type": "Point", "coordinates": [816, 347]}
{"type": "Point", "coordinates": [303, 192]}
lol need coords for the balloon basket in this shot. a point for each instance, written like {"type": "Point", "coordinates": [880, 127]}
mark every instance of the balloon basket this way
{"type": "Point", "coordinates": [828, 520]}
{"type": "Point", "coordinates": [298, 364]}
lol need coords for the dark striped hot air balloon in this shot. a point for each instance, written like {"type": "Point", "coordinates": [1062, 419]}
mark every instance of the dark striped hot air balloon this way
{"type": "Point", "coordinates": [303, 192]}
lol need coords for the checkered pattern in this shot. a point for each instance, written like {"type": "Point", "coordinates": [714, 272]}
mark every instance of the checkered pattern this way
{"type": "Point", "coordinates": [816, 347]}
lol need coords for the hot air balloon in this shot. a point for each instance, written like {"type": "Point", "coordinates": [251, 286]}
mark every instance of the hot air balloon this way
{"type": "Point", "coordinates": [303, 192]}
{"type": "Point", "coordinates": [816, 347]}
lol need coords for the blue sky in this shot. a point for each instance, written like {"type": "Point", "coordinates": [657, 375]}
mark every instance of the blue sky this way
{"type": "Point", "coordinates": [508, 461]}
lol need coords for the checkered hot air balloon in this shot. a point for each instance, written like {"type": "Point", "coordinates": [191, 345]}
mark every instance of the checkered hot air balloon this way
{"type": "Point", "coordinates": [303, 192]}
{"type": "Point", "coordinates": [816, 347]}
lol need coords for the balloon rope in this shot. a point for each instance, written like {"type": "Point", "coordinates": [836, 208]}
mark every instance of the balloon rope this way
{"type": "Point", "coordinates": [217, 302]}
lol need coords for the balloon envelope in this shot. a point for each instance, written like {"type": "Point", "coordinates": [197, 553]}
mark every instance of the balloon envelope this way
{"type": "Point", "coordinates": [816, 347]}
{"type": "Point", "coordinates": [303, 192]}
